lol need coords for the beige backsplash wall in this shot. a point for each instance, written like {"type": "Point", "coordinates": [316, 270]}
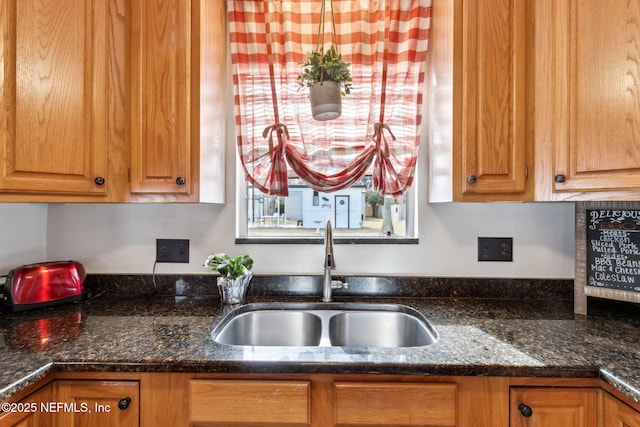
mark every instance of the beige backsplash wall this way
{"type": "Point", "coordinates": [119, 238]}
{"type": "Point", "coordinates": [23, 234]}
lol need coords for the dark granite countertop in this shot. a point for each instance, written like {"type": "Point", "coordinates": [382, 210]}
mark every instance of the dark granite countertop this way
{"type": "Point", "coordinates": [513, 337]}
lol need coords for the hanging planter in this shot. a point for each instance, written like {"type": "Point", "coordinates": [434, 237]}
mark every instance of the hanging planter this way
{"type": "Point", "coordinates": [326, 101]}
{"type": "Point", "coordinates": [327, 76]}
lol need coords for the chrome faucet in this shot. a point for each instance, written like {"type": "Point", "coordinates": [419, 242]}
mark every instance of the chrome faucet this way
{"type": "Point", "coordinates": [329, 264]}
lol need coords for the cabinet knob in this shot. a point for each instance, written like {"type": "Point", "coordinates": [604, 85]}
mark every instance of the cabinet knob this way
{"type": "Point", "coordinates": [99, 180]}
{"type": "Point", "coordinates": [124, 403]}
{"type": "Point", "coordinates": [525, 410]}
{"type": "Point", "coordinates": [559, 178]}
{"type": "Point", "coordinates": [472, 179]}
{"type": "Point", "coordinates": [180, 180]}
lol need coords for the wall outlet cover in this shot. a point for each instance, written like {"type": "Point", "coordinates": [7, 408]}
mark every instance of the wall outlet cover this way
{"type": "Point", "coordinates": [172, 250]}
{"type": "Point", "coordinates": [495, 248]}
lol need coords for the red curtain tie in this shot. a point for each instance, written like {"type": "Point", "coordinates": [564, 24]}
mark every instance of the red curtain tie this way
{"type": "Point", "coordinates": [378, 137]}
{"type": "Point", "coordinates": [281, 130]}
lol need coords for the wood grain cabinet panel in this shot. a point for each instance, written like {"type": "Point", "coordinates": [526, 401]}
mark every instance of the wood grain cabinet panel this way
{"type": "Point", "coordinates": [491, 94]}
{"type": "Point", "coordinates": [481, 151]}
{"type": "Point", "coordinates": [553, 407]}
{"type": "Point", "coordinates": [394, 404]}
{"type": "Point", "coordinates": [250, 403]}
{"type": "Point", "coordinates": [587, 107]}
{"type": "Point", "coordinates": [30, 415]}
{"type": "Point", "coordinates": [113, 101]}
{"type": "Point", "coordinates": [54, 97]}
{"type": "Point", "coordinates": [618, 414]}
{"type": "Point", "coordinates": [177, 100]}
{"type": "Point", "coordinates": [161, 78]}
{"type": "Point", "coordinates": [98, 403]}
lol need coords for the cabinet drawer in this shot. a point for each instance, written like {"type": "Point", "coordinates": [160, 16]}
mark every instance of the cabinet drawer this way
{"type": "Point", "coordinates": [250, 402]}
{"type": "Point", "coordinates": [397, 404]}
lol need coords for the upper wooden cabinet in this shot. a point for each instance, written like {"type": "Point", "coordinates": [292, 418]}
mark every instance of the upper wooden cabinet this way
{"type": "Point", "coordinates": [534, 101]}
{"type": "Point", "coordinates": [118, 100]}
{"type": "Point", "coordinates": [478, 72]}
{"type": "Point", "coordinates": [178, 89]}
{"type": "Point", "coordinates": [587, 108]}
{"type": "Point", "coordinates": [54, 97]}
{"type": "Point", "coordinates": [161, 80]}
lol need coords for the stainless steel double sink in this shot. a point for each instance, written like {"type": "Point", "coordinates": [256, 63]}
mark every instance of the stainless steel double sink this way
{"type": "Point", "coordinates": [324, 325]}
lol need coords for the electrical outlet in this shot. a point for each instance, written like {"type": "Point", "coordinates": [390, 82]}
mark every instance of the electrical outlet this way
{"type": "Point", "coordinates": [172, 250]}
{"type": "Point", "coordinates": [495, 248]}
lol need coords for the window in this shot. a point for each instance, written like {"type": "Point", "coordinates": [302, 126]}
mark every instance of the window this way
{"type": "Point", "coordinates": [355, 212]}
{"type": "Point", "coordinates": [347, 164]}
{"type": "Point", "coordinates": [358, 214]}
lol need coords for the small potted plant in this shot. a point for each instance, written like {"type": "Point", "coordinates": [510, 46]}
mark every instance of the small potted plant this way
{"type": "Point", "coordinates": [328, 78]}
{"type": "Point", "coordinates": [235, 275]}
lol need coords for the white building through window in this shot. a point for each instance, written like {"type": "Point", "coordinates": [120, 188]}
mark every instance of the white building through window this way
{"type": "Point", "coordinates": [355, 212]}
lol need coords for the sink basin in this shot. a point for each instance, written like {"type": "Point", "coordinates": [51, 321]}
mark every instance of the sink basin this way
{"type": "Point", "coordinates": [378, 329]}
{"type": "Point", "coordinates": [272, 328]}
{"type": "Point", "coordinates": [324, 325]}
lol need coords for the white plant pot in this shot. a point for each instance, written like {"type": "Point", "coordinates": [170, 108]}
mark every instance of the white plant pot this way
{"type": "Point", "coordinates": [232, 291]}
{"type": "Point", "coordinates": [326, 101]}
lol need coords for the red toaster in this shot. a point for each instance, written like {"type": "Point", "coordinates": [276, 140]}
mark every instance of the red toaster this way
{"type": "Point", "coordinates": [44, 284]}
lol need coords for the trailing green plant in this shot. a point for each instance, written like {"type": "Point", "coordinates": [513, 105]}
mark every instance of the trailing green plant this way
{"type": "Point", "coordinates": [229, 267]}
{"type": "Point", "coordinates": [320, 66]}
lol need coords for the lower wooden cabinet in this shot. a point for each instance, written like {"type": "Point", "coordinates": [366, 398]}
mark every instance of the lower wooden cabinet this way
{"type": "Point", "coordinates": [97, 403]}
{"type": "Point", "coordinates": [394, 404]}
{"type": "Point", "coordinates": [553, 407]}
{"type": "Point", "coordinates": [151, 399]}
{"type": "Point", "coordinates": [219, 402]}
{"type": "Point", "coordinates": [250, 402]}
{"type": "Point", "coordinates": [75, 403]}
{"type": "Point", "coordinates": [26, 412]}
{"type": "Point", "coordinates": [618, 414]}
{"type": "Point", "coordinates": [315, 400]}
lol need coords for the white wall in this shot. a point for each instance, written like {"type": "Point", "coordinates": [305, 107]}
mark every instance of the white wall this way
{"type": "Point", "coordinates": [117, 238]}
{"type": "Point", "coordinates": [23, 232]}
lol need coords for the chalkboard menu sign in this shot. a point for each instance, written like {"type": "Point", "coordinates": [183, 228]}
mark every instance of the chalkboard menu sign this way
{"type": "Point", "coordinates": [613, 249]}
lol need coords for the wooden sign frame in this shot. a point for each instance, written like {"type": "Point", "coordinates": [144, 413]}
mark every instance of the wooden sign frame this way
{"type": "Point", "coordinates": [581, 289]}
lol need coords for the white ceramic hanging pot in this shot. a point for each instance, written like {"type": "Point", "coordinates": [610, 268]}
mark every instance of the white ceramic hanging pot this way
{"type": "Point", "coordinates": [326, 101]}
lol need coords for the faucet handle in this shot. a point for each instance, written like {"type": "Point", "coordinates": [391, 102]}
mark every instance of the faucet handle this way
{"type": "Point", "coordinates": [339, 284]}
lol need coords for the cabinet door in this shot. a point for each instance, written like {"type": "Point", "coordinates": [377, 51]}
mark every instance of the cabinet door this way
{"type": "Point", "coordinates": [617, 414]}
{"type": "Point", "coordinates": [394, 404]}
{"type": "Point", "coordinates": [588, 89]}
{"type": "Point", "coordinates": [161, 98]}
{"type": "Point", "coordinates": [490, 138]}
{"type": "Point", "coordinates": [28, 413]}
{"type": "Point", "coordinates": [250, 403]}
{"type": "Point", "coordinates": [553, 407]}
{"type": "Point", "coordinates": [98, 403]}
{"type": "Point", "coordinates": [54, 96]}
